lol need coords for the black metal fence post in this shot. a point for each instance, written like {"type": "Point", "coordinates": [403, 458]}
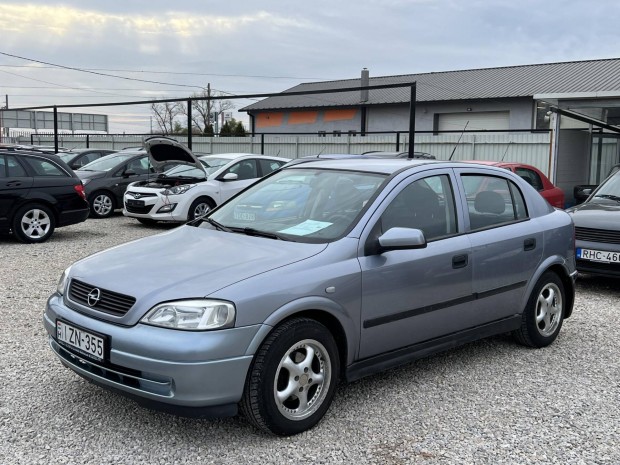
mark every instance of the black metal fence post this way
{"type": "Point", "coordinates": [31, 138]}
{"type": "Point", "coordinates": [87, 141]}
{"type": "Point", "coordinates": [262, 144]}
{"type": "Point", "coordinates": [189, 124]}
{"type": "Point", "coordinates": [412, 120]}
{"type": "Point", "coordinates": [398, 141]}
{"type": "Point", "coordinates": [55, 129]}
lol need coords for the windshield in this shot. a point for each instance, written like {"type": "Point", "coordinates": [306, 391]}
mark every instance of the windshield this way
{"type": "Point", "coordinates": [108, 162]}
{"type": "Point", "coordinates": [312, 205]}
{"type": "Point", "coordinates": [66, 156]}
{"type": "Point", "coordinates": [212, 164]}
{"type": "Point", "coordinates": [185, 171]}
{"type": "Point", "coordinates": [610, 189]}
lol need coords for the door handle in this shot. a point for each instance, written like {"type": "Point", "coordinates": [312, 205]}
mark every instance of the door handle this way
{"type": "Point", "coordinates": [529, 244]}
{"type": "Point", "coordinates": [13, 184]}
{"type": "Point", "coordinates": [460, 261]}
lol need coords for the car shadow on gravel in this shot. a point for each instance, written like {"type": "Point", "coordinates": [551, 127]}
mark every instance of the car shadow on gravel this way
{"type": "Point", "coordinates": [593, 283]}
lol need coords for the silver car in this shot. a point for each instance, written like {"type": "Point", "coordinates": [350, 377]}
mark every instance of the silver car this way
{"type": "Point", "coordinates": [321, 272]}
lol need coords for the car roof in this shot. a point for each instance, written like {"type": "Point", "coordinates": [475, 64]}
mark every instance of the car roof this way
{"type": "Point", "coordinates": [372, 165]}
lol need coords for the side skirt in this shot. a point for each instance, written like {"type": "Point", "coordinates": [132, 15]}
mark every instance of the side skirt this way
{"type": "Point", "coordinates": [398, 357]}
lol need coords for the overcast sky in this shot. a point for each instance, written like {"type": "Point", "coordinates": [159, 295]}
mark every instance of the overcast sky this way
{"type": "Point", "coordinates": [244, 46]}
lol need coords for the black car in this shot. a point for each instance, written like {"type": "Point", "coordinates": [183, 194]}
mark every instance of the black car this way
{"type": "Point", "coordinates": [77, 158]}
{"type": "Point", "coordinates": [106, 179]}
{"type": "Point", "coordinates": [597, 230]}
{"type": "Point", "coordinates": [583, 191]}
{"type": "Point", "coordinates": [38, 193]}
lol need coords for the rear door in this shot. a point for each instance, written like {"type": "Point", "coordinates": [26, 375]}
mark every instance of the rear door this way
{"type": "Point", "coordinates": [15, 184]}
{"type": "Point", "coordinates": [506, 245]}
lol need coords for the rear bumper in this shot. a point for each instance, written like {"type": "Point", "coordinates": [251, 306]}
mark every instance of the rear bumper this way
{"type": "Point", "coordinates": [69, 217]}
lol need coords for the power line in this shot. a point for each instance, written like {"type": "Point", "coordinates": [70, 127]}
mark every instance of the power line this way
{"type": "Point", "coordinates": [96, 72]}
{"type": "Point", "coordinates": [179, 73]}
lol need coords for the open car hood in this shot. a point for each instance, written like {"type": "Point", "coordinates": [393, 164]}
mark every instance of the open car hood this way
{"type": "Point", "coordinates": [163, 150]}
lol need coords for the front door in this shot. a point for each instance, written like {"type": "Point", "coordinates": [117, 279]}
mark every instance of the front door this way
{"type": "Point", "coordinates": [411, 296]}
{"type": "Point", "coordinates": [14, 184]}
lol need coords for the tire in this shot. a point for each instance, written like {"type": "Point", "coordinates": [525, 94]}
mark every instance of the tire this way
{"type": "Point", "coordinates": [544, 313]}
{"type": "Point", "coordinates": [147, 221]}
{"type": "Point", "coordinates": [200, 207]}
{"type": "Point", "coordinates": [284, 373]}
{"type": "Point", "coordinates": [33, 223]}
{"type": "Point", "coordinates": [102, 204]}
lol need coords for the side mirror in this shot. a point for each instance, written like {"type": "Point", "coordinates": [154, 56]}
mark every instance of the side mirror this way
{"type": "Point", "coordinates": [586, 192]}
{"type": "Point", "coordinates": [230, 177]}
{"type": "Point", "coordinates": [402, 239]}
{"type": "Point", "coordinates": [128, 173]}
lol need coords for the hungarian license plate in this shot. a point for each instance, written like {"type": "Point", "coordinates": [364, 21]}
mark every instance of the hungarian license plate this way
{"type": "Point", "coordinates": [135, 203]}
{"type": "Point", "coordinates": [598, 256]}
{"type": "Point", "coordinates": [82, 341]}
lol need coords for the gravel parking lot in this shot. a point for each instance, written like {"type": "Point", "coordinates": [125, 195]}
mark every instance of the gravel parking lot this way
{"type": "Point", "coordinates": [491, 402]}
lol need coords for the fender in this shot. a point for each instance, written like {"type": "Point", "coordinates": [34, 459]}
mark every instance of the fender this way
{"type": "Point", "coordinates": [311, 304]}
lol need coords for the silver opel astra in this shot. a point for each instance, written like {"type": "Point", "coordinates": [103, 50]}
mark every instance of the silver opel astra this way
{"type": "Point", "coordinates": [322, 272]}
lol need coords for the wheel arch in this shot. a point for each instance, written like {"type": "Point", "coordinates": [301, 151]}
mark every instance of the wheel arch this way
{"type": "Point", "coordinates": [557, 266]}
{"type": "Point", "coordinates": [47, 200]}
{"type": "Point", "coordinates": [336, 322]}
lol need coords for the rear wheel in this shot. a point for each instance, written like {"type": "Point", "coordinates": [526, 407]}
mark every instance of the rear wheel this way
{"type": "Point", "coordinates": [293, 378]}
{"type": "Point", "coordinates": [544, 312]}
{"type": "Point", "coordinates": [200, 207]}
{"type": "Point", "coordinates": [33, 223]}
{"type": "Point", "coordinates": [102, 204]}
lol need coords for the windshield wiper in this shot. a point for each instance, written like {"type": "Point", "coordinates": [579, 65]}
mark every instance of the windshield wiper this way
{"type": "Point", "coordinates": [215, 224]}
{"type": "Point", "coordinates": [609, 196]}
{"type": "Point", "coordinates": [259, 233]}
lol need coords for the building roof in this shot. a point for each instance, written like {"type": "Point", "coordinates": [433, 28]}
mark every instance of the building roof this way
{"type": "Point", "coordinates": [471, 84]}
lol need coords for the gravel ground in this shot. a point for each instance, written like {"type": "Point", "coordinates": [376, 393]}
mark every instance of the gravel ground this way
{"type": "Point", "coordinates": [490, 402]}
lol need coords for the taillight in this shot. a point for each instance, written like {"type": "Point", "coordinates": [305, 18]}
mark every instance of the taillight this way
{"type": "Point", "coordinates": [79, 188]}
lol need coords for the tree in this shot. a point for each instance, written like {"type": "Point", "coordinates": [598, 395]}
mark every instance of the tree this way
{"type": "Point", "coordinates": [206, 110]}
{"type": "Point", "coordinates": [165, 115]}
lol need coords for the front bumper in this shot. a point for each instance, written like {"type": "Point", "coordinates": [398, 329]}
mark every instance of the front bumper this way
{"type": "Point", "coordinates": [148, 208]}
{"type": "Point", "coordinates": [180, 369]}
{"type": "Point", "coordinates": [595, 267]}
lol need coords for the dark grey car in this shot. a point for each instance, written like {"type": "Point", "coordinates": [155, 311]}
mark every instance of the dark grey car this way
{"type": "Point", "coordinates": [78, 158]}
{"type": "Point", "coordinates": [324, 271]}
{"type": "Point", "coordinates": [106, 179]}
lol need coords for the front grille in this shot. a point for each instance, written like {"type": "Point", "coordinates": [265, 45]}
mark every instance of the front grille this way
{"type": "Point", "coordinates": [139, 195]}
{"type": "Point", "coordinates": [606, 236]}
{"type": "Point", "coordinates": [587, 266]}
{"type": "Point", "coordinates": [109, 302]}
{"type": "Point", "coordinates": [141, 210]}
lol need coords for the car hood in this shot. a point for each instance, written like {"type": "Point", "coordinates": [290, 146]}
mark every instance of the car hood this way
{"type": "Point", "coordinates": [187, 262]}
{"type": "Point", "coordinates": [601, 214]}
{"type": "Point", "coordinates": [162, 151]}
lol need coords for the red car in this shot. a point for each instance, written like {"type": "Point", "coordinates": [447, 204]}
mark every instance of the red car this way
{"type": "Point", "coordinates": [554, 195]}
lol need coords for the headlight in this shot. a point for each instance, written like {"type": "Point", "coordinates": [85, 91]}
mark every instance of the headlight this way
{"type": "Point", "coordinates": [192, 315]}
{"type": "Point", "coordinates": [62, 282]}
{"type": "Point", "coordinates": [176, 190]}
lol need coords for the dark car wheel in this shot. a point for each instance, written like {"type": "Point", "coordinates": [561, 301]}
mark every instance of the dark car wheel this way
{"type": "Point", "coordinates": [101, 204]}
{"type": "Point", "coordinates": [292, 379]}
{"type": "Point", "coordinates": [544, 313]}
{"type": "Point", "coordinates": [200, 207]}
{"type": "Point", "coordinates": [33, 223]}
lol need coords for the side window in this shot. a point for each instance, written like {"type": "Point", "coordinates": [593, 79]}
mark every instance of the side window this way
{"type": "Point", "coordinates": [88, 158]}
{"type": "Point", "coordinates": [531, 177]}
{"type": "Point", "coordinates": [245, 169]}
{"type": "Point", "coordinates": [43, 167]}
{"type": "Point", "coordinates": [426, 204]}
{"type": "Point", "coordinates": [139, 166]}
{"type": "Point", "coordinates": [492, 201]}
{"type": "Point", "coordinates": [2, 167]}
{"type": "Point", "coordinates": [14, 168]}
{"type": "Point", "coordinates": [268, 166]}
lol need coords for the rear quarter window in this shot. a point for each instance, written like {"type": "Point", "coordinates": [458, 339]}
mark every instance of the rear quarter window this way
{"type": "Point", "coordinates": [42, 167]}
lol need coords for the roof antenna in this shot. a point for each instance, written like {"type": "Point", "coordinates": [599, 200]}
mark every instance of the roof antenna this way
{"type": "Point", "coordinates": [507, 148]}
{"type": "Point", "coordinates": [458, 141]}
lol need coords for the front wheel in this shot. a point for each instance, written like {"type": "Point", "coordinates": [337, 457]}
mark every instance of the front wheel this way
{"type": "Point", "coordinates": [33, 223]}
{"type": "Point", "coordinates": [544, 312]}
{"type": "Point", "coordinates": [293, 378]}
{"type": "Point", "coordinates": [199, 208]}
{"type": "Point", "coordinates": [101, 204]}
